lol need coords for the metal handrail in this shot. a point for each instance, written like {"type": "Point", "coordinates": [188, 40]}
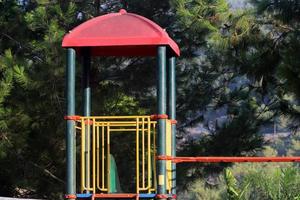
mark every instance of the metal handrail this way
{"type": "Point", "coordinates": [95, 135]}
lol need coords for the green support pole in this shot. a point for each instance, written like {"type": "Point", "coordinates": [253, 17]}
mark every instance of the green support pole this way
{"type": "Point", "coordinates": [86, 82]}
{"type": "Point", "coordinates": [70, 136]}
{"type": "Point", "coordinates": [161, 109]}
{"type": "Point", "coordinates": [172, 113]}
{"type": "Point", "coordinates": [86, 99]}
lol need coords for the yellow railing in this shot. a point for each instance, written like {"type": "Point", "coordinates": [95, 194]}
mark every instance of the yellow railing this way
{"type": "Point", "coordinates": [95, 136]}
{"type": "Point", "coordinates": [169, 153]}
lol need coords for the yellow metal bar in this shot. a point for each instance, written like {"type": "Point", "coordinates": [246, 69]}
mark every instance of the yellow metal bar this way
{"type": "Point", "coordinates": [144, 189]}
{"type": "Point", "coordinates": [94, 156]}
{"type": "Point", "coordinates": [149, 153]}
{"type": "Point", "coordinates": [82, 156]}
{"type": "Point", "coordinates": [84, 169]}
{"type": "Point", "coordinates": [121, 130]}
{"type": "Point", "coordinates": [103, 158]}
{"type": "Point", "coordinates": [137, 157]}
{"type": "Point", "coordinates": [88, 156]}
{"type": "Point", "coordinates": [143, 154]}
{"type": "Point", "coordinates": [120, 123]}
{"type": "Point", "coordinates": [117, 117]}
{"type": "Point", "coordinates": [98, 157]}
{"type": "Point", "coordinates": [154, 155]}
{"type": "Point", "coordinates": [102, 187]}
{"type": "Point", "coordinates": [169, 153]}
{"type": "Point", "coordinates": [108, 156]}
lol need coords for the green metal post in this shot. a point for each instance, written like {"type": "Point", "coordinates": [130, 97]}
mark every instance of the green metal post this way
{"type": "Point", "coordinates": [161, 109]}
{"type": "Point", "coordinates": [172, 113]}
{"type": "Point", "coordinates": [70, 136]}
{"type": "Point", "coordinates": [86, 99]}
{"type": "Point", "coordinates": [86, 82]}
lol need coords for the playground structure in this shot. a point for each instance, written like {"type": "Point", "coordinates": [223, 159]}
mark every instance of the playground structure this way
{"type": "Point", "coordinates": [126, 34]}
{"type": "Point", "coordinates": [98, 168]}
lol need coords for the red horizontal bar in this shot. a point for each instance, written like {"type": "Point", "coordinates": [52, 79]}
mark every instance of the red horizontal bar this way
{"type": "Point", "coordinates": [88, 122]}
{"type": "Point", "coordinates": [114, 196]}
{"type": "Point", "coordinates": [72, 117]}
{"type": "Point", "coordinates": [161, 196]}
{"type": "Point", "coordinates": [173, 121]}
{"type": "Point", "coordinates": [231, 159]}
{"type": "Point", "coordinates": [159, 116]}
{"type": "Point", "coordinates": [70, 196]}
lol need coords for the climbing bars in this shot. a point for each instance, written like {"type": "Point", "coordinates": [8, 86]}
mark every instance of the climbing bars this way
{"type": "Point", "coordinates": [95, 141]}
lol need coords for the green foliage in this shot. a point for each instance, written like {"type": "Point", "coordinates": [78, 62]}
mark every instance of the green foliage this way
{"type": "Point", "coordinates": [243, 62]}
{"type": "Point", "coordinates": [276, 184]}
{"type": "Point", "coordinates": [196, 21]}
{"type": "Point", "coordinates": [286, 11]}
{"type": "Point", "coordinates": [237, 137]}
{"type": "Point", "coordinates": [233, 191]}
{"type": "Point", "coordinates": [6, 83]}
{"type": "Point", "coordinates": [279, 20]}
{"type": "Point", "coordinates": [250, 181]}
{"type": "Point", "coordinates": [11, 75]}
{"type": "Point", "coordinates": [32, 95]}
{"type": "Point", "coordinates": [31, 130]}
{"type": "Point", "coordinates": [202, 189]}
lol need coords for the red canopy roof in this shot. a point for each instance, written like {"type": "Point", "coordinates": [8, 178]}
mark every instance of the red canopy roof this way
{"type": "Point", "coordinates": [120, 34]}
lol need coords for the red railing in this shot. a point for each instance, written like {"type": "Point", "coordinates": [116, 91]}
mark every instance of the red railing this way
{"type": "Point", "coordinates": [228, 159]}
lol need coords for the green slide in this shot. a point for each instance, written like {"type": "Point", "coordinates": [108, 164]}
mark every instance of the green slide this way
{"type": "Point", "coordinates": [114, 185]}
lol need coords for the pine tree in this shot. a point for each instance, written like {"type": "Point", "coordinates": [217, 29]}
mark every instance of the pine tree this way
{"type": "Point", "coordinates": [240, 62]}
{"type": "Point", "coordinates": [225, 68]}
{"type": "Point", "coordinates": [282, 19]}
{"type": "Point", "coordinates": [35, 121]}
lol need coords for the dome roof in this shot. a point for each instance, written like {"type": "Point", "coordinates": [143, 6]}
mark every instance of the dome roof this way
{"type": "Point", "coordinates": [120, 34]}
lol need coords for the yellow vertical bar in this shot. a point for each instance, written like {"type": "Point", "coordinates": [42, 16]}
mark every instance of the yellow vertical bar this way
{"type": "Point", "coordinates": [94, 156]}
{"type": "Point", "coordinates": [168, 153]}
{"type": "Point", "coordinates": [154, 154]}
{"type": "Point", "coordinates": [137, 157]}
{"type": "Point", "coordinates": [149, 153]}
{"type": "Point", "coordinates": [97, 159]}
{"type": "Point", "coordinates": [103, 157]}
{"type": "Point", "coordinates": [82, 156]}
{"type": "Point", "coordinates": [143, 153]}
{"type": "Point", "coordinates": [108, 156]}
{"type": "Point", "coordinates": [88, 155]}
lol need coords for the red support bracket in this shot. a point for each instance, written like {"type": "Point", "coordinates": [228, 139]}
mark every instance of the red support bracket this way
{"type": "Point", "coordinates": [173, 121]}
{"type": "Point", "coordinates": [88, 122]}
{"type": "Point", "coordinates": [159, 116]}
{"type": "Point", "coordinates": [162, 196]}
{"type": "Point", "coordinates": [70, 196]}
{"type": "Point", "coordinates": [164, 158]}
{"type": "Point", "coordinates": [72, 117]}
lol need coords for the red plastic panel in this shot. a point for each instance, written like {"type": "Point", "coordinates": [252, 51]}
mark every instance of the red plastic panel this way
{"type": "Point", "coordinates": [120, 34]}
{"type": "Point", "coordinates": [115, 196]}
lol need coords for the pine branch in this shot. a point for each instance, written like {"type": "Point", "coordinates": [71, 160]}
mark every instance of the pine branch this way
{"type": "Point", "coordinates": [47, 172]}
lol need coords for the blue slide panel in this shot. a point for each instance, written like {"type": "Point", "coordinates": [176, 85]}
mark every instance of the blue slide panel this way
{"type": "Point", "coordinates": [141, 196]}
{"type": "Point", "coordinates": [84, 195]}
{"type": "Point", "coordinates": [147, 196]}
